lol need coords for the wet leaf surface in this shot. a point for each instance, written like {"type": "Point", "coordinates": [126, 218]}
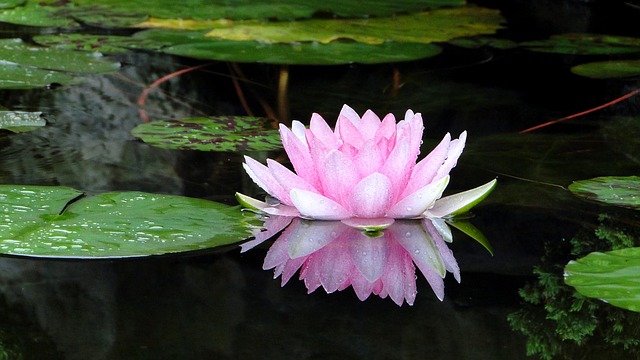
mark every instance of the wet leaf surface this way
{"type": "Point", "coordinates": [222, 133]}
{"type": "Point", "coordinates": [96, 43]}
{"type": "Point", "coordinates": [613, 190]}
{"type": "Point", "coordinates": [21, 121]}
{"type": "Point", "coordinates": [20, 77]}
{"type": "Point", "coordinates": [608, 69]}
{"type": "Point", "coordinates": [585, 44]}
{"type": "Point", "coordinates": [36, 221]}
{"type": "Point", "coordinates": [611, 276]}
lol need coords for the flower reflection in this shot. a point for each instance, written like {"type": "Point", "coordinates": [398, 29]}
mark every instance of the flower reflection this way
{"type": "Point", "coordinates": [334, 256]}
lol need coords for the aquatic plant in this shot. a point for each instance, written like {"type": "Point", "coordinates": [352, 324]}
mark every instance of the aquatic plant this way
{"type": "Point", "coordinates": [363, 173]}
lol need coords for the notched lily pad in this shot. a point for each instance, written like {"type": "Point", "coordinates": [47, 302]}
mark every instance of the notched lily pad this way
{"type": "Point", "coordinates": [36, 221]}
{"type": "Point", "coordinates": [21, 121]}
{"type": "Point", "coordinates": [220, 133]}
{"type": "Point", "coordinates": [613, 190]}
{"type": "Point", "coordinates": [611, 276]}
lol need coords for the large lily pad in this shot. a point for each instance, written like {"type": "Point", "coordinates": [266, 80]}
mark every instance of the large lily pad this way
{"type": "Point", "coordinates": [36, 221]}
{"type": "Point", "coordinates": [613, 190]}
{"type": "Point", "coordinates": [21, 121]}
{"type": "Point", "coordinates": [423, 27]}
{"type": "Point", "coordinates": [585, 44]}
{"type": "Point", "coordinates": [608, 69]}
{"type": "Point", "coordinates": [43, 13]}
{"type": "Point", "coordinates": [222, 133]}
{"type": "Point", "coordinates": [16, 51]}
{"type": "Point", "coordinates": [613, 276]}
{"type": "Point", "coordinates": [19, 77]}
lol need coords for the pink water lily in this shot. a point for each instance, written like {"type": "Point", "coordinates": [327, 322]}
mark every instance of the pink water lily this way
{"type": "Point", "coordinates": [364, 172]}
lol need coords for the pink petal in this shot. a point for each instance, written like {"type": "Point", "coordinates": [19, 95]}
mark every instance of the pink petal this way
{"type": "Point", "coordinates": [315, 206]}
{"type": "Point", "coordinates": [272, 226]}
{"type": "Point", "coordinates": [369, 125]}
{"type": "Point", "coordinates": [321, 130]}
{"type": "Point", "coordinates": [299, 155]}
{"type": "Point", "coordinates": [426, 169]}
{"type": "Point", "coordinates": [307, 237]}
{"type": "Point", "coordinates": [370, 158]}
{"type": "Point", "coordinates": [398, 167]}
{"type": "Point", "coordinates": [288, 180]}
{"type": "Point", "coordinates": [338, 176]}
{"type": "Point", "coordinates": [455, 150]}
{"type": "Point", "coordinates": [414, 205]}
{"type": "Point", "coordinates": [349, 132]}
{"type": "Point", "coordinates": [446, 254]}
{"type": "Point", "coordinates": [263, 177]}
{"type": "Point", "coordinates": [371, 197]}
{"type": "Point", "coordinates": [387, 128]}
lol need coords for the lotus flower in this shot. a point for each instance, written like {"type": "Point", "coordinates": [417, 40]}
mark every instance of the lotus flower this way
{"type": "Point", "coordinates": [363, 173]}
{"type": "Point", "coordinates": [334, 256]}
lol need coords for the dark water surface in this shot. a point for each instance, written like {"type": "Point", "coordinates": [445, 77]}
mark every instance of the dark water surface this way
{"type": "Point", "coordinates": [222, 305]}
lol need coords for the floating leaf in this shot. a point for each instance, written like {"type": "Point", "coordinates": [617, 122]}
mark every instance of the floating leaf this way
{"type": "Point", "coordinates": [35, 222]}
{"type": "Point", "coordinates": [38, 13]}
{"type": "Point", "coordinates": [96, 43]}
{"type": "Point", "coordinates": [612, 276]}
{"type": "Point", "coordinates": [20, 77]}
{"type": "Point", "coordinates": [612, 190]}
{"type": "Point", "coordinates": [585, 44]}
{"type": "Point", "coordinates": [424, 27]}
{"type": "Point", "coordinates": [305, 54]}
{"type": "Point", "coordinates": [267, 9]}
{"type": "Point", "coordinates": [608, 69]}
{"type": "Point", "coordinates": [16, 51]}
{"type": "Point", "coordinates": [8, 4]}
{"type": "Point", "coordinates": [21, 121]}
{"type": "Point", "coordinates": [477, 42]}
{"type": "Point", "coordinates": [221, 133]}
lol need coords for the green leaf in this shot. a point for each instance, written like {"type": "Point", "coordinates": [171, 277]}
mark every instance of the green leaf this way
{"type": "Point", "coordinates": [21, 121]}
{"type": "Point", "coordinates": [472, 231]}
{"type": "Point", "coordinates": [611, 276]}
{"type": "Point", "coordinates": [16, 51]}
{"type": "Point", "coordinates": [111, 44]}
{"type": "Point", "coordinates": [613, 190]}
{"type": "Point", "coordinates": [35, 222]}
{"type": "Point", "coordinates": [477, 42]}
{"type": "Point", "coordinates": [585, 44]}
{"type": "Point", "coordinates": [220, 133]}
{"type": "Point", "coordinates": [462, 202]}
{"type": "Point", "coordinates": [608, 69]}
{"type": "Point", "coordinates": [334, 53]}
{"type": "Point", "coordinates": [20, 77]}
{"type": "Point", "coordinates": [38, 13]}
{"type": "Point", "coordinates": [8, 4]}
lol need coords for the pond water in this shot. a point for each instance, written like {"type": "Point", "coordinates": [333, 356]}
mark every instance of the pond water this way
{"type": "Point", "coordinates": [222, 305]}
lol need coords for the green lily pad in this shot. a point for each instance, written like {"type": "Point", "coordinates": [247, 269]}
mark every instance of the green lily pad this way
{"type": "Point", "coordinates": [221, 133]}
{"type": "Point", "coordinates": [111, 44]}
{"type": "Point", "coordinates": [423, 27]}
{"type": "Point", "coordinates": [21, 121]}
{"type": "Point", "coordinates": [36, 221]}
{"type": "Point", "coordinates": [8, 4]}
{"type": "Point", "coordinates": [612, 276]}
{"type": "Point", "coordinates": [305, 54]}
{"type": "Point", "coordinates": [45, 13]}
{"type": "Point", "coordinates": [477, 42]}
{"type": "Point", "coordinates": [613, 190]}
{"type": "Point", "coordinates": [585, 44]}
{"type": "Point", "coordinates": [608, 69]}
{"type": "Point", "coordinates": [16, 51]}
{"type": "Point", "coordinates": [20, 77]}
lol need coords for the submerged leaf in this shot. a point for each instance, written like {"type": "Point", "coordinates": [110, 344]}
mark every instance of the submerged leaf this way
{"type": "Point", "coordinates": [611, 276]}
{"type": "Point", "coordinates": [221, 133]}
{"type": "Point", "coordinates": [21, 121]}
{"type": "Point", "coordinates": [613, 190]}
{"type": "Point", "coordinates": [36, 221]}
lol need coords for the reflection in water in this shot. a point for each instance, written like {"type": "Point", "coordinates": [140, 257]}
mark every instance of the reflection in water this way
{"type": "Point", "coordinates": [335, 256]}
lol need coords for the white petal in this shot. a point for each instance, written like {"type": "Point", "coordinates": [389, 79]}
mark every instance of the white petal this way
{"type": "Point", "coordinates": [417, 203]}
{"type": "Point", "coordinates": [317, 207]}
{"type": "Point", "coordinates": [371, 196]}
{"type": "Point", "coordinates": [460, 202]}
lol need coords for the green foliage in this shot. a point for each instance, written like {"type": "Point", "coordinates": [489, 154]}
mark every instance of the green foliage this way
{"type": "Point", "coordinates": [562, 324]}
{"type": "Point", "coordinates": [613, 190]}
{"type": "Point", "coordinates": [53, 222]}
{"type": "Point", "coordinates": [221, 133]}
{"type": "Point", "coordinates": [585, 44]}
{"type": "Point", "coordinates": [21, 121]}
